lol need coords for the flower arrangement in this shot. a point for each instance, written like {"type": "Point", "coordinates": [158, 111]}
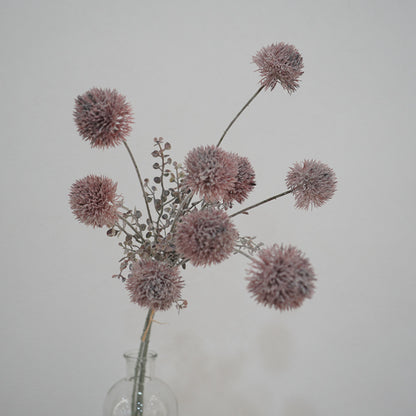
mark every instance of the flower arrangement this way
{"type": "Point", "coordinates": [187, 208]}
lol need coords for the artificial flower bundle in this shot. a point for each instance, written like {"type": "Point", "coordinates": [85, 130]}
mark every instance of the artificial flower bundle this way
{"type": "Point", "coordinates": [187, 206]}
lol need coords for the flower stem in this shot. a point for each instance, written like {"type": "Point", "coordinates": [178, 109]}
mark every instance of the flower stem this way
{"type": "Point", "coordinates": [137, 400]}
{"type": "Point", "coordinates": [140, 180]}
{"type": "Point", "coordinates": [243, 211]}
{"type": "Point", "coordinates": [238, 114]}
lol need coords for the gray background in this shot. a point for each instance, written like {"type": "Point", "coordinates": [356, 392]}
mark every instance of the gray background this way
{"type": "Point", "coordinates": [186, 68]}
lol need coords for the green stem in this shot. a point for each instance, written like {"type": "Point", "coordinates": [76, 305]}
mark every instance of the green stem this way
{"type": "Point", "coordinates": [238, 114]}
{"type": "Point", "coordinates": [140, 369]}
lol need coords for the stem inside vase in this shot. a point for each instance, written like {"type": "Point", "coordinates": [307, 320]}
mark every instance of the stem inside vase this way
{"type": "Point", "coordinates": [137, 400]}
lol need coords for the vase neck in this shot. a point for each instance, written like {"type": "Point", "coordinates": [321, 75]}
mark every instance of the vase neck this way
{"type": "Point", "coordinates": [131, 363]}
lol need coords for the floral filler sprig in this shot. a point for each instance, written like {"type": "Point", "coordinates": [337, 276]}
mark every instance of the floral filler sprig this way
{"type": "Point", "coordinates": [186, 216]}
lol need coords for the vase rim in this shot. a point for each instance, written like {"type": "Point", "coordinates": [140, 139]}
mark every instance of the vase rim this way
{"type": "Point", "coordinates": [132, 354]}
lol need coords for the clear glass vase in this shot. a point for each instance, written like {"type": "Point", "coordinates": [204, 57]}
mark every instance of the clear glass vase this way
{"type": "Point", "coordinates": [152, 396]}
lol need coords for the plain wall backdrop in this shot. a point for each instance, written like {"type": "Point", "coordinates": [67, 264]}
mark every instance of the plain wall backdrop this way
{"type": "Point", "coordinates": [185, 66]}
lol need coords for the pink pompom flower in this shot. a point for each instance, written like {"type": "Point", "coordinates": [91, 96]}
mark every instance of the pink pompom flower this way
{"type": "Point", "coordinates": [206, 237]}
{"type": "Point", "coordinates": [279, 63]}
{"type": "Point", "coordinates": [103, 117]}
{"type": "Point", "coordinates": [155, 285]}
{"type": "Point", "coordinates": [211, 172]}
{"type": "Point", "coordinates": [94, 201]}
{"type": "Point", "coordinates": [281, 277]}
{"type": "Point", "coordinates": [244, 184]}
{"type": "Point", "coordinates": [313, 183]}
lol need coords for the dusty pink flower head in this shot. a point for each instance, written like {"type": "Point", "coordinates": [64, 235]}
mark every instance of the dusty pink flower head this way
{"type": "Point", "coordinates": [206, 237]}
{"type": "Point", "coordinates": [281, 277]}
{"type": "Point", "coordinates": [103, 117]}
{"type": "Point", "coordinates": [211, 172]}
{"type": "Point", "coordinates": [153, 284]}
{"type": "Point", "coordinates": [245, 181]}
{"type": "Point", "coordinates": [279, 63]}
{"type": "Point", "coordinates": [312, 183]}
{"type": "Point", "coordinates": [94, 201]}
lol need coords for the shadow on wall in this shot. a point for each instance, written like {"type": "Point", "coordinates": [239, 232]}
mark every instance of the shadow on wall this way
{"type": "Point", "coordinates": [276, 348]}
{"type": "Point", "coordinates": [298, 407]}
{"type": "Point", "coordinates": [215, 375]}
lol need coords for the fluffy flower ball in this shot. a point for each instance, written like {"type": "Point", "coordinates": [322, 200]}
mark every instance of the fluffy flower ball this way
{"type": "Point", "coordinates": [103, 117]}
{"type": "Point", "coordinates": [94, 201]}
{"type": "Point", "coordinates": [245, 181]}
{"type": "Point", "coordinates": [279, 63]}
{"type": "Point", "coordinates": [206, 237]}
{"type": "Point", "coordinates": [211, 172]}
{"type": "Point", "coordinates": [154, 284]}
{"type": "Point", "coordinates": [281, 277]}
{"type": "Point", "coordinates": [313, 183]}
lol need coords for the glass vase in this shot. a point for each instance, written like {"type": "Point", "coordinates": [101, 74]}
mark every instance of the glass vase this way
{"type": "Point", "coordinates": [151, 396]}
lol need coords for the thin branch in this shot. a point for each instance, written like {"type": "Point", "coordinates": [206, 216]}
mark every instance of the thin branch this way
{"type": "Point", "coordinates": [131, 226]}
{"type": "Point", "coordinates": [186, 200]}
{"type": "Point", "coordinates": [140, 180]}
{"type": "Point", "coordinates": [243, 211]}
{"type": "Point", "coordinates": [184, 261]}
{"type": "Point", "coordinates": [238, 114]}
{"type": "Point", "coordinates": [127, 234]}
{"type": "Point", "coordinates": [236, 250]}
